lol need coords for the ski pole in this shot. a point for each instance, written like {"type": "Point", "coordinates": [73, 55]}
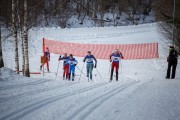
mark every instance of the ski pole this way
{"type": "Point", "coordinates": [98, 73]}
{"type": "Point", "coordinates": [121, 65]}
{"type": "Point", "coordinates": [81, 71]}
{"type": "Point", "coordinates": [121, 69]}
{"type": "Point", "coordinates": [57, 69]}
{"type": "Point", "coordinates": [110, 68]}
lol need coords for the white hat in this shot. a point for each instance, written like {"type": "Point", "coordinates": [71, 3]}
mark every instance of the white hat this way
{"type": "Point", "coordinates": [116, 50]}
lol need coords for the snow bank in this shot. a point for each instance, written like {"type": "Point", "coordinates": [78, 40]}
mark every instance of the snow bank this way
{"type": "Point", "coordinates": [6, 73]}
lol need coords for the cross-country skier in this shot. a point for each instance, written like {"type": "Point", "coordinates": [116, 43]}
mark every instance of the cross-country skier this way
{"type": "Point", "coordinates": [115, 58]}
{"type": "Point", "coordinates": [89, 63]}
{"type": "Point", "coordinates": [65, 66]}
{"type": "Point", "coordinates": [47, 59]}
{"type": "Point", "coordinates": [72, 63]}
{"type": "Point", "coordinates": [172, 62]}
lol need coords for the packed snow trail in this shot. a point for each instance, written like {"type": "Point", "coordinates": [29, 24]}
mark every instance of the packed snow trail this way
{"type": "Point", "coordinates": [157, 100]}
{"type": "Point", "coordinates": [88, 108]}
{"type": "Point", "coordinates": [17, 114]}
{"type": "Point", "coordinates": [142, 91]}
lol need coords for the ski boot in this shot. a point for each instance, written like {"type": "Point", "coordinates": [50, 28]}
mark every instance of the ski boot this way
{"type": "Point", "coordinates": [69, 76]}
{"type": "Point", "coordinates": [41, 68]}
{"type": "Point", "coordinates": [116, 76]}
{"type": "Point", "coordinates": [111, 76]}
{"type": "Point", "coordinates": [73, 77]}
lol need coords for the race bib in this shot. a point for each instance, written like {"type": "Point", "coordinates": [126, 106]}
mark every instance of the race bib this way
{"type": "Point", "coordinates": [71, 62]}
{"type": "Point", "coordinates": [116, 58]}
{"type": "Point", "coordinates": [89, 59]}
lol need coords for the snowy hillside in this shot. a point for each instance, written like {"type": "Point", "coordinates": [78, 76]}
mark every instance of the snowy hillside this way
{"type": "Point", "coordinates": [142, 92]}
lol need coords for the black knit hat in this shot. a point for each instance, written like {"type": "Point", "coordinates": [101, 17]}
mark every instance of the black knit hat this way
{"type": "Point", "coordinates": [70, 55]}
{"type": "Point", "coordinates": [171, 46]}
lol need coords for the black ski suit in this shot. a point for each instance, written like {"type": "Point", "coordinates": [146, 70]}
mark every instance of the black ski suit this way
{"type": "Point", "coordinates": [172, 62]}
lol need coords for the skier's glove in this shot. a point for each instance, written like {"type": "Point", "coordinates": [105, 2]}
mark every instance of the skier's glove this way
{"type": "Point", "coordinates": [95, 66]}
{"type": "Point", "coordinates": [83, 60]}
{"type": "Point", "coordinates": [110, 60]}
{"type": "Point", "coordinates": [59, 58]}
{"type": "Point", "coordinates": [75, 64]}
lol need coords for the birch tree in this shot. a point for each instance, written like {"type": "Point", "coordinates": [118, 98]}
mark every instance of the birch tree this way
{"type": "Point", "coordinates": [26, 71]}
{"type": "Point", "coordinates": [1, 56]}
{"type": "Point", "coordinates": [14, 27]}
{"type": "Point", "coordinates": [21, 36]}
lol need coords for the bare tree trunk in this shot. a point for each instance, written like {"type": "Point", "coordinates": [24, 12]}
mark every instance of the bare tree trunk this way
{"type": "Point", "coordinates": [27, 73]}
{"type": "Point", "coordinates": [1, 56]}
{"type": "Point", "coordinates": [79, 9]}
{"type": "Point", "coordinates": [15, 36]}
{"type": "Point", "coordinates": [23, 53]}
{"type": "Point", "coordinates": [22, 40]}
{"type": "Point", "coordinates": [115, 20]}
{"type": "Point", "coordinates": [83, 18]}
{"type": "Point", "coordinates": [88, 7]}
{"type": "Point", "coordinates": [102, 11]}
{"type": "Point", "coordinates": [95, 8]}
{"type": "Point", "coordinates": [102, 15]}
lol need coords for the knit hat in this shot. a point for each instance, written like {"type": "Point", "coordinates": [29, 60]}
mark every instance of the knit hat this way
{"type": "Point", "coordinates": [47, 49]}
{"type": "Point", "coordinates": [171, 46]}
{"type": "Point", "coordinates": [116, 50]}
{"type": "Point", "coordinates": [71, 56]}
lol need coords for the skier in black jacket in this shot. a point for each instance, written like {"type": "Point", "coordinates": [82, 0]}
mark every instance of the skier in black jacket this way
{"type": "Point", "coordinates": [172, 62]}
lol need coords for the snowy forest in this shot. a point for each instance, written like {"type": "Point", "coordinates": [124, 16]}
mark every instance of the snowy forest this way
{"type": "Point", "coordinates": [19, 16]}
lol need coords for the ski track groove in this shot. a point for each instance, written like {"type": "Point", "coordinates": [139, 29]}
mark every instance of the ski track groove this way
{"type": "Point", "coordinates": [23, 85]}
{"type": "Point", "coordinates": [83, 112]}
{"type": "Point", "coordinates": [16, 115]}
{"type": "Point", "coordinates": [5, 99]}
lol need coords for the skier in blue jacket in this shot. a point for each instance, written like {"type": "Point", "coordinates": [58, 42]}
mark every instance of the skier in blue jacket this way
{"type": "Point", "coordinates": [72, 63]}
{"type": "Point", "coordinates": [89, 63]}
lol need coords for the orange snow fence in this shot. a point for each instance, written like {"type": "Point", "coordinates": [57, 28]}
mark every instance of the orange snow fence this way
{"type": "Point", "coordinates": [102, 51]}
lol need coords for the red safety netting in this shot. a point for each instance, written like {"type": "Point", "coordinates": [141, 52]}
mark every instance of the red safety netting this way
{"type": "Point", "coordinates": [102, 51]}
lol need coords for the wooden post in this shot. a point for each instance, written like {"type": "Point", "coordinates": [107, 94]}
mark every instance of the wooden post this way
{"type": "Point", "coordinates": [43, 45]}
{"type": "Point", "coordinates": [43, 59]}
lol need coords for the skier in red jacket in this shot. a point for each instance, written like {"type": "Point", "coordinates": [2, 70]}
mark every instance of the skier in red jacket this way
{"type": "Point", "coordinates": [65, 65]}
{"type": "Point", "coordinates": [115, 58]}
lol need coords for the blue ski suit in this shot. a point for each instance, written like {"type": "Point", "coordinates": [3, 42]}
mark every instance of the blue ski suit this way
{"type": "Point", "coordinates": [72, 63]}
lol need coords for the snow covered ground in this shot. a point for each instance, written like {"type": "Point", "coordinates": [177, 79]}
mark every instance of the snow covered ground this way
{"type": "Point", "coordinates": [142, 92]}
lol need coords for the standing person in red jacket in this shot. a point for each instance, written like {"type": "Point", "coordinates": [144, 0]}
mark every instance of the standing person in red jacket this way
{"type": "Point", "coordinates": [47, 59]}
{"type": "Point", "coordinates": [115, 58]}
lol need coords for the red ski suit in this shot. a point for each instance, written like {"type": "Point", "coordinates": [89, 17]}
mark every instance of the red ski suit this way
{"type": "Point", "coordinates": [65, 66]}
{"type": "Point", "coordinates": [115, 58]}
